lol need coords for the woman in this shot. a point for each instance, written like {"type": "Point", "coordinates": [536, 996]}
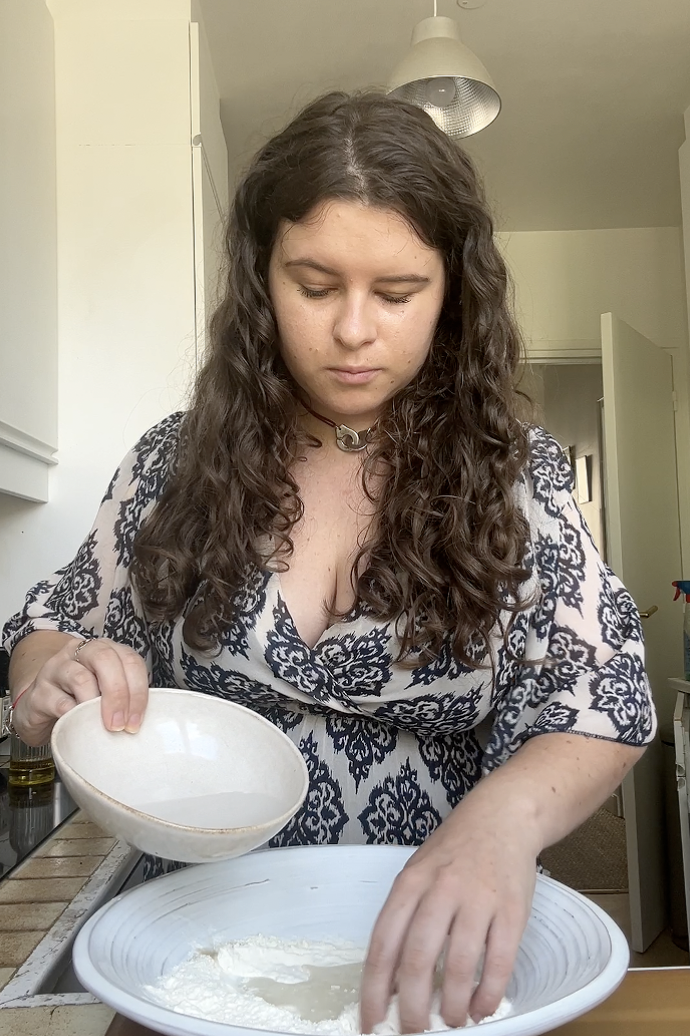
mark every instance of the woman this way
{"type": "Point", "coordinates": [352, 533]}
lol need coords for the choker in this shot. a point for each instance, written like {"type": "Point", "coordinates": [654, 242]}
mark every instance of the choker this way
{"type": "Point", "coordinates": [347, 438]}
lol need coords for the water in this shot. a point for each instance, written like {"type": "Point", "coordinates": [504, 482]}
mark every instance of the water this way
{"type": "Point", "coordinates": [220, 809]}
{"type": "Point", "coordinates": [323, 996]}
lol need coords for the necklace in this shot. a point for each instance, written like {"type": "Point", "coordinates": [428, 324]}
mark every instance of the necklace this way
{"type": "Point", "coordinates": [347, 438]}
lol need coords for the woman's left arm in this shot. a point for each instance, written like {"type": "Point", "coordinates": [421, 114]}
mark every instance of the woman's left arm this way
{"type": "Point", "coordinates": [469, 887]}
{"type": "Point", "coordinates": [570, 720]}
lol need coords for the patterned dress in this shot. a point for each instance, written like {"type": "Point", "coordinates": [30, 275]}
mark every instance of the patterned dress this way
{"type": "Point", "coordinates": [390, 750]}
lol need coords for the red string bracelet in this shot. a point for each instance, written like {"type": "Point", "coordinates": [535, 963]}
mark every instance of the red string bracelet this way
{"type": "Point", "coordinates": [10, 725]}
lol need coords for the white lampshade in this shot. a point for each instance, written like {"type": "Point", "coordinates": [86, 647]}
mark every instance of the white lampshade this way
{"type": "Point", "coordinates": [440, 75]}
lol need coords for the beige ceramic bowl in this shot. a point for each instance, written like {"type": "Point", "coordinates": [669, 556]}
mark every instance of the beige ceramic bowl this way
{"type": "Point", "coordinates": [203, 779]}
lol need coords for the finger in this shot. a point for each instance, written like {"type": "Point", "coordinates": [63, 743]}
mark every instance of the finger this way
{"type": "Point", "coordinates": [103, 660]}
{"type": "Point", "coordinates": [38, 711]}
{"type": "Point", "coordinates": [138, 682]}
{"type": "Point", "coordinates": [69, 686]}
{"type": "Point", "coordinates": [463, 954]}
{"type": "Point", "coordinates": [77, 681]}
{"type": "Point", "coordinates": [501, 949]}
{"type": "Point", "coordinates": [424, 941]}
{"type": "Point", "coordinates": [59, 703]}
{"type": "Point", "coordinates": [385, 944]}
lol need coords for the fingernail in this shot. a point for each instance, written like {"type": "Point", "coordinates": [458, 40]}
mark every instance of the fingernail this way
{"type": "Point", "coordinates": [118, 721]}
{"type": "Point", "coordinates": [133, 724]}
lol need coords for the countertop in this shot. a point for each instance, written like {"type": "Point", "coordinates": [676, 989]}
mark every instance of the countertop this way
{"type": "Point", "coordinates": [45, 898]}
{"type": "Point", "coordinates": [28, 816]}
{"type": "Point", "coordinates": [56, 867]}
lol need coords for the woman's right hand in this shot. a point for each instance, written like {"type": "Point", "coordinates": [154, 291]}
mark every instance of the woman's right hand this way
{"type": "Point", "coordinates": [113, 672]}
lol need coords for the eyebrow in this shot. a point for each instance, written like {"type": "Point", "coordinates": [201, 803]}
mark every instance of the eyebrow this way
{"type": "Point", "coordinates": [405, 278]}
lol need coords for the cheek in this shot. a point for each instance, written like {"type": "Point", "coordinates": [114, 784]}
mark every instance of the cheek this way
{"type": "Point", "coordinates": [287, 315]}
{"type": "Point", "coordinates": [418, 338]}
{"type": "Point", "coordinates": [300, 330]}
{"type": "Point", "coordinates": [286, 306]}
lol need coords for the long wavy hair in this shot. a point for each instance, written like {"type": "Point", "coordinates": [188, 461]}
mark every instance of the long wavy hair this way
{"type": "Point", "coordinates": [444, 555]}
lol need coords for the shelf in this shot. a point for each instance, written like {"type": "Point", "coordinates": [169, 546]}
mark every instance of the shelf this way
{"type": "Point", "coordinates": [24, 464]}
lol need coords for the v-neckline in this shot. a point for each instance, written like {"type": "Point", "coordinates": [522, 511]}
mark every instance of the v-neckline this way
{"type": "Point", "coordinates": [349, 616]}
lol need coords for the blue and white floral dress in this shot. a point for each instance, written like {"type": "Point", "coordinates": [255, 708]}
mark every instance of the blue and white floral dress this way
{"type": "Point", "coordinates": [390, 750]}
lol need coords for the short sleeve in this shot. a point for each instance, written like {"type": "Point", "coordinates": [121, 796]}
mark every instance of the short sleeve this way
{"type": "Point", "coordinates": [93, 595]}
{"type": "Point", "coordinates": [582, 669]}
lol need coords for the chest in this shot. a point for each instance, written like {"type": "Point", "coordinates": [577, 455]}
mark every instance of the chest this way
{"type": "Point", "coordinates": [337, 516]}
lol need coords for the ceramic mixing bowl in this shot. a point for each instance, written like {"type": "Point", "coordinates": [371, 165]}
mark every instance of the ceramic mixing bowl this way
{"type": "Point", "coordinates": [203, 779]}
{"type": "Point", "coordinates": [572, 955]}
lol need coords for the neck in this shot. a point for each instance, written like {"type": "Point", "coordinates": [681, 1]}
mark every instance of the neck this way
{"type": "Point", "coordinates": [346, 436]}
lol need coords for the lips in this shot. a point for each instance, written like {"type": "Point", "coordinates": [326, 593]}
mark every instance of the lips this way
{"type": "Point", "coordinates": [355, 370]}
{"type": "Point", "coordinates": [354, 375]}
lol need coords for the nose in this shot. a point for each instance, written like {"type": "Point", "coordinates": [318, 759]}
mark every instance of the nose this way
{"type": "Point", "coordinates": [355, 324]}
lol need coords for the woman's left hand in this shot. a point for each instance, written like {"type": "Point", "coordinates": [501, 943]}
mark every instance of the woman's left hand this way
{"type": "Point", "coordinates": [467, 891]}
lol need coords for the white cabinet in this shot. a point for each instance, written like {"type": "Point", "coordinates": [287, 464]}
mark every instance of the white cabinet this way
{"type": "Point", "coordinates": [131, 84]}
{"type": "Point", "coordinates": [28, 249]}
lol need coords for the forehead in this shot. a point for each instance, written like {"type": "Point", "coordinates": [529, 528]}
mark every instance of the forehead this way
{"type": "Point", "coordinates": [338, 230]}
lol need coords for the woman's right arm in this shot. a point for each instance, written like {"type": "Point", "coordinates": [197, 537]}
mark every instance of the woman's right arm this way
{"type": "Point", "coordinates": [93, 600]}
{"type": "Point", "coordinates": [43, 665]}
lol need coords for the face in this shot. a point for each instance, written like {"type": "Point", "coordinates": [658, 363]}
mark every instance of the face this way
{"type": "Point", "coordinates": [357, 296]}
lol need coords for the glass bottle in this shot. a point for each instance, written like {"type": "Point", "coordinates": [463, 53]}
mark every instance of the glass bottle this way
{"type": "Point", "coordinates": [29, 766]}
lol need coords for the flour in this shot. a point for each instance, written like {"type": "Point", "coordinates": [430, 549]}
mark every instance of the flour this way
{"type": "Point", "coordinates": [282, 985]}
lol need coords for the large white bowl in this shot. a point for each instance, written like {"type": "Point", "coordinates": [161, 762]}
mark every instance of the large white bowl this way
{"type": "Point", "coordinates": [572, 956]}
{"type": "Point", "coordinates": [203, 779]}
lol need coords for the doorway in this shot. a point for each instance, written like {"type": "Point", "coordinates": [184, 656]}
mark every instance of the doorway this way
{"type": "Point", "coordinates": [567, 401]}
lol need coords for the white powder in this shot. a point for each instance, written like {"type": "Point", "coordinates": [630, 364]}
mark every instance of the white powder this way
{"type": "Point", "coordinates": [217, 985]}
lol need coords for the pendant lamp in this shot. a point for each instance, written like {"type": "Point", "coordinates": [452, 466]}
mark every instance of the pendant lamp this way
{"type": "Point", "coordinates": [442, 76]}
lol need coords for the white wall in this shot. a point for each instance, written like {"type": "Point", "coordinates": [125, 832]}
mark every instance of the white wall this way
{"type": "Point", "coordinates": [565, 280]}
{"type": "Point", "coordinates": [684, 369]}
{"type": "Point", "coordinates": [125, 261]}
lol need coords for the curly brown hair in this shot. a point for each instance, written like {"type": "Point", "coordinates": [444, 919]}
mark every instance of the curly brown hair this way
{"type": "Point", "coordinates": [444, 556]}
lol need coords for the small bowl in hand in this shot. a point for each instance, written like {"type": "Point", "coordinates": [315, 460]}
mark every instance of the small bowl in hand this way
{"type": "Point", "coordinates": [203, 779]}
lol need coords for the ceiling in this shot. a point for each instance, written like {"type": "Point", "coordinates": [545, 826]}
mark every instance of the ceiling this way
{"type": "Point", "coordinates": [593, 92]}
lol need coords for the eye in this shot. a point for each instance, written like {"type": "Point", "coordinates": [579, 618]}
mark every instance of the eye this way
{"type": "Point", "coordinates": [396, 299]}
{"type": "Point", "coordinates": [314, 293]}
